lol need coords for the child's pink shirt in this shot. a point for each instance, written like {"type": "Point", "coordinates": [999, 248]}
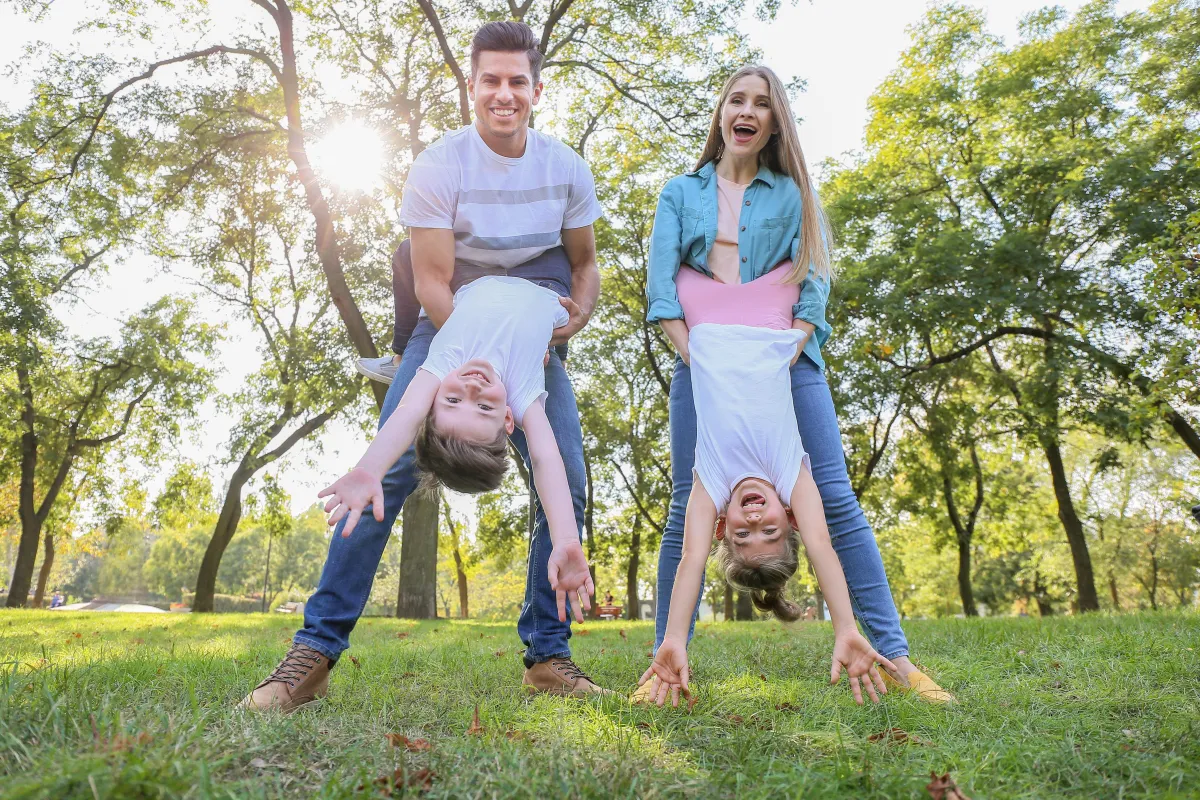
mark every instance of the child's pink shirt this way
{"type": "Point", "coordinates": [765, 302]}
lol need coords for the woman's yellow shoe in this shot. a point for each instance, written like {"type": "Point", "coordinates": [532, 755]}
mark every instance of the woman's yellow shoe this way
{"type": "Point", "coordinates": [924, 686]}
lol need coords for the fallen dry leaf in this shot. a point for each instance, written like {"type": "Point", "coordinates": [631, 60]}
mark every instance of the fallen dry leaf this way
{"type": "Point", "coordinates": [408, 674]}
{"type": "Point", "coordinates": [896, 736]}
{"type": "Point", "coordinates": [943, 788]}
{"type": "Point", "coordinates": [476, 729]}
{"type": "Point", "coordinates": [498, 654]}
{"type": "Point", "coordinates": [519, 736]}
{"type": "Point", "coordinates": [1055, 665]}
{"type": "Point", "coordinates": [786, 707]}
{"type": "Point", "coordinates": [402, 635]}
{"type": "Point", "coordinates": [354, 661]}
{"type": "Point", "coordinates": [650, 643]}
{"type": "Point", "coordinates": [622, 632]}
{"type": "Point", "coordinates": [258, 763]}
{"type": "Point", "coordinates": [691, 698]}
{"type": "Point", "coordinates": [736, 719]}
{"type": "Point", "coordinates": [762, 677]}
{"type": "Point", "coordinates": [581, 632]}
{"type": "Point", "coordinates": [421, 780]}
{"type": "Point", "coordinates": [411, 745]}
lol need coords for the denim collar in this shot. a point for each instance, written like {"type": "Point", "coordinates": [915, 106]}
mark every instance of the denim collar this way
{"type": "Point", "coordinates": [764, 173]}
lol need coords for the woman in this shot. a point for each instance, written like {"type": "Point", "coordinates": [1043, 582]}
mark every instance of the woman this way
{"type": "Point", "coordinates": [749, 205]}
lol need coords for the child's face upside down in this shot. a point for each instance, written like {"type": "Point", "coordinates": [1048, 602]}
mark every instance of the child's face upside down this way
{"type": "Point", "coordinates": [471, 404]}
{"type": "Point", "coordinates": [756, 522]}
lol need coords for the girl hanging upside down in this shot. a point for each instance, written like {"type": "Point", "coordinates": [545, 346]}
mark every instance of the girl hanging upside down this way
{"type": "Point", "coordinates": [753, 489]}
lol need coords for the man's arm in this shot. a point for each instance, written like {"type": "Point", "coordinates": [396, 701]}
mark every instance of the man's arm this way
{"type": "Point", "coordinates": [433, 268]}
{"type": "Point", "coordinates": [580, 244]}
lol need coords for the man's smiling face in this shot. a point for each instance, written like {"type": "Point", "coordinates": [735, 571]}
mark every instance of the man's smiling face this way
{"type": "Point", "coordinates": [504, 94]}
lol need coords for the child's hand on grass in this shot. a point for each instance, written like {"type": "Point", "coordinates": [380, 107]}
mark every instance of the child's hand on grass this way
{"type": "Point", "coordinates": [852, 651]}
{"type": "Point", "coordinates": [570, 579]}
{"type": "Point", "coordinates": [350, 495]}
{"type": "Point", "coordinates": [670, 666]}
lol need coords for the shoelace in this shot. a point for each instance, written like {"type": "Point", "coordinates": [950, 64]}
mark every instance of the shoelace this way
{"type": "Point", "coordinates": [569, 669]}
{"type": "Point", "coordinates": [295, 665]}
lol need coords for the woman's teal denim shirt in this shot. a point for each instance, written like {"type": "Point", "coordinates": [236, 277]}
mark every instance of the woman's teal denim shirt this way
{"type": "Point", "coordinates": [685, 227]}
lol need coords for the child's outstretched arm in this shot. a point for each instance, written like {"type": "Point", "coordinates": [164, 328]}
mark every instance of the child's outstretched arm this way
{"type": "Point", "coordinates": [351, 493]}
{"type": "Point", "coordinates": [850, 649]}
{"type": "Point", "coordinates": [670, 662]}
{"type": "Point", "coordinates": [568, 568]}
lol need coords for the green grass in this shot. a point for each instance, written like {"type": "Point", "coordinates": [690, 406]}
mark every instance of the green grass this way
{"type": "Point", "coordinates": [128, 706]}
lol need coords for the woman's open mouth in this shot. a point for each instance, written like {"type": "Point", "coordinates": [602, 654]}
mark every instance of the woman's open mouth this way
{"type": "Point", "coordinates": [743, 133]}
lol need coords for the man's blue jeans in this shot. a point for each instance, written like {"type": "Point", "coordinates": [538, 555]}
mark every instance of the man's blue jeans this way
{"type": "Point", "coordinates": [849, 530]}
{"type": "Point", "coordinates": [333, 610]}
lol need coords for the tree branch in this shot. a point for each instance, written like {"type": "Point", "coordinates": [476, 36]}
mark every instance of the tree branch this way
{"type": "Point", "coordinates": [464, 103]}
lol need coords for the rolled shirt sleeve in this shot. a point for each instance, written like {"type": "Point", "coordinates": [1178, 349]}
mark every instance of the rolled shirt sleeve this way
{"type": "Point", "coordinates": [814, 295]}
{"type": "Point", "coordinates": [665, 257]}
{"type": "Point", "coordinates": [583, 208]}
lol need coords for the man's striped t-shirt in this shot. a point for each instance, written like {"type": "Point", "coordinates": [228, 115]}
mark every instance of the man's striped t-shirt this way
{"type": "Point", "coordinates": [503, 211]}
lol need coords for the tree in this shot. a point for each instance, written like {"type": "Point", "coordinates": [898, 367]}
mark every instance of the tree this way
{"type": "Point", "coordinates": [251, 247]}
{"type": "Point", "coordinates": [992, 210]}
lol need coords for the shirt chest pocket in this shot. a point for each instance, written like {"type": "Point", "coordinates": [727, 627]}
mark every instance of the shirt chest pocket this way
{"type": "Point", "coordinates": [773, 240]}
{"type": "Point", "coordinates": [691, 235]}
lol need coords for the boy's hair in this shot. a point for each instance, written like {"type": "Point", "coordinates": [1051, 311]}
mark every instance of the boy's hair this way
{"type": "Point", "coordinates": [766, 578]}
{"type": "Point", "coordinates": [460, 465]}
{"type": "Point", "coordinates": [508, 37]}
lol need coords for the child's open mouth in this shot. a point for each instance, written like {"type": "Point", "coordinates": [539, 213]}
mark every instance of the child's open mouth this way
{"type": "Point", "coordinates": [752, 501]}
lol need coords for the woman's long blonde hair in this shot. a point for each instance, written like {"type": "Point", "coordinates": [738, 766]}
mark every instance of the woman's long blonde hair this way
{"type": "Point", "coordinates": [783, 156]}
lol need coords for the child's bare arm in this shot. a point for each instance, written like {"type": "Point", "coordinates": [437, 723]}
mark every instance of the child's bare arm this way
{"type": "Point", "coordinates": [363, 485]}
{"type": "Point", "coordinates": [568, 569]}
{"type": "Point", "coordinates": [851, 649]}
{"type": "Point", "coordinates": [670, 663]}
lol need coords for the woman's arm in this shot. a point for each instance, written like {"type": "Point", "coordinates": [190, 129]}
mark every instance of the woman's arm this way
{"type": "Point", "coordinates": [814, 296]}
{"type": "Point", "coordinates": [665, 255]}
{"type": "Point", "coordinates": [677, 331]}
{"type": "Point", "coordinates": [568, 568]}
{"type": "Point", "coordinates": [364, 483]}
{"type": "Point", "coordinates": [851, 650]}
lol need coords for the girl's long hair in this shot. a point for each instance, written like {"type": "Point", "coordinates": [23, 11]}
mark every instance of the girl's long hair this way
{"type": "Point", "coordinates": [782, 155]}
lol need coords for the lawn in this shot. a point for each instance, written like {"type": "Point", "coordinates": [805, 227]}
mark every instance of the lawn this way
{"type": "Point", "coordinates": [128, 706]}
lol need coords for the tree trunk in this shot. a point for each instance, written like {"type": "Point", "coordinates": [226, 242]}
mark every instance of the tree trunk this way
{"type": "Point", "coordinates": [227, 525]}
{"type": "Point", "coordinates": [634, 610]}
{"type": "Point", "coordinates": [1112, 591]}
{"type": "Point", "coordinates": [463, 609]}
{"type": "Point", "coordinates": [31, 523]}
{"type": "Point", "coordinates": [964, 579]}
{"type": "Point", "coordinates": [44, 574]}
{"type": "Point", "coordinates": [728, 608]}
{"type": "Point", "coordinates": [745, 606]}
{"type": "Point", "coordinates": [1153, 587]}
{"type": "Point", "coordinates": [589, 531]}
{"type": "Point", "coordinates": [417, 595]}
{"type": "Point", "coordinates": [1084, 578]}
{"type": "Point", "coordinates": [326, 242]}
{"type": "Point", "coordinates": [267, 574]}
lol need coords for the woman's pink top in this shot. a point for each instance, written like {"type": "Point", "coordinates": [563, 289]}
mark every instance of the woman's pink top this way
{"type": "Point", "coordinates": [765, 302]}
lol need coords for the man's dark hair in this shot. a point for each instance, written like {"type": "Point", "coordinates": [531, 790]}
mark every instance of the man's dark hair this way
{"type": "Point", "coordinates": [508, 37]}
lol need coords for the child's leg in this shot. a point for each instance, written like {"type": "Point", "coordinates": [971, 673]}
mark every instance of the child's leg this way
{"type": "Point", "coordinates": [408, 308]}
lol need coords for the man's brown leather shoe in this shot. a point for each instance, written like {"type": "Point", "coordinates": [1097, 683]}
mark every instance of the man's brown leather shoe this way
{"type": "Point", "coordinates": [562, 677]}
{"type": "Point", "coordinates": [301, 678]}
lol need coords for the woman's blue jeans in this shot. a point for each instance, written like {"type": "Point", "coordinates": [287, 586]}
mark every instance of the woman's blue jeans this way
{"type": "Point", "coordinates": [849, 530]}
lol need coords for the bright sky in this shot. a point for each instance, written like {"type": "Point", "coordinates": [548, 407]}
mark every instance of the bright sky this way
{"type": "Point", "coordinates": [843, 48]}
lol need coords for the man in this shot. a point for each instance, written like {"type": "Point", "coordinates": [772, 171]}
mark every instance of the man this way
{"type": "Point", "coordinates": [493, 198]}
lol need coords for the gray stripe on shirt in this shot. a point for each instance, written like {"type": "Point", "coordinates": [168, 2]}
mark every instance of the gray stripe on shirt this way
{"type": "Point", "coordinates": [558, 191]}
{"type": "Point", "coordinates": [544, 240]}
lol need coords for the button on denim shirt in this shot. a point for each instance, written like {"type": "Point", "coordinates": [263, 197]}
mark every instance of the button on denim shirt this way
{"type": "Point", "coordinates": [685, 227]}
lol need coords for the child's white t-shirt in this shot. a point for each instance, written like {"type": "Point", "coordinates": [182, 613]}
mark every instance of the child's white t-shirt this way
{"type": "Point", "coordinates": [745, 420]}
{"type": "Point", "coordinates": [507, 322]}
